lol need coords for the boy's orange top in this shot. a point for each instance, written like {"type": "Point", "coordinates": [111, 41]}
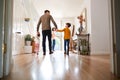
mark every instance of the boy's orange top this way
{"type": "Point", "coordinates": [67, 33]}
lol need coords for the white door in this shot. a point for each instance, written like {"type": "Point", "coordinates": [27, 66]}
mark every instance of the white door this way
{"type": "Point", "coordinates": [6, 7]}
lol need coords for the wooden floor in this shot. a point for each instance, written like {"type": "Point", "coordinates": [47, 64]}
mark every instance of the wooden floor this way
{"type": "Point", "coordinates": [60, 67]}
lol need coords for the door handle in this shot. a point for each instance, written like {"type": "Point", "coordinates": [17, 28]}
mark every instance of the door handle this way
{"type": "Point", "coordinates": [4, 48]}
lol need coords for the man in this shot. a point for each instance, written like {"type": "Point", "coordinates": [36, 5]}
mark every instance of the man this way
{"type": "Point", "coordinates": [46, 29]}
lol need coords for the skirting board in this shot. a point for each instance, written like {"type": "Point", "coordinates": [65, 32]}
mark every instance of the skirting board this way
{"type": "Point", "coordinates": [100, 54]}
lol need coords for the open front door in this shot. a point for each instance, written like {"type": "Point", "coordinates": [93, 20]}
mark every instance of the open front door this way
{"type": "Point", "coordinates": [6, 7]}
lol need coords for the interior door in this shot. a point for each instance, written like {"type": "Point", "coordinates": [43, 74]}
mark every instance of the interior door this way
{"type": "Point", "coordinates": [6, 7]}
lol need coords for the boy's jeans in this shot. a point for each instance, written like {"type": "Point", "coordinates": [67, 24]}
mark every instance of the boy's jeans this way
{"type": "Point", "coordinates": [66, 44]}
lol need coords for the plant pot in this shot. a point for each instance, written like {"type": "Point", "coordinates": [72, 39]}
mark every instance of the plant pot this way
{"type": "Point", "coordinates": [28, 43]}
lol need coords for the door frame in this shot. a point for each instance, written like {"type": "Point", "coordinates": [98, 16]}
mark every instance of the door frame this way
{"type": "Point", "coordinates": [8, 35]}
{"type": "Point", "coordinates": [2, 7]}
{"type": "Point", "coordinates": [111, 35]}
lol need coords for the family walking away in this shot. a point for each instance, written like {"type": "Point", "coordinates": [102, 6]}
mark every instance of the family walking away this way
{"type": "Point", "coordinates": [45, 20]}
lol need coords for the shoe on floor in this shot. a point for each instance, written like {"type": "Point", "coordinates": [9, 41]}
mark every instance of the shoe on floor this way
{"type": "Point", "coordinates": [64, 52]}
{"type": "Point", "coordinates": [51, 52]}
{"type": "Point", "coordinates": [68, 54]}
{"type": "Point", "coordinates": [44, 53]}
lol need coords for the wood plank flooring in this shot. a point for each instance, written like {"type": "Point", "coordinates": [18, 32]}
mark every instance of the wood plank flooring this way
{"type": "Point", "coordinates": [60, 67]}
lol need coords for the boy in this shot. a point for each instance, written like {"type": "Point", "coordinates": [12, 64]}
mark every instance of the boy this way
{"type": "Point", "coordinates": [67, 35]}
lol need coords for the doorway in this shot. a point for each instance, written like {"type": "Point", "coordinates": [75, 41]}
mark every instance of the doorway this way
{"type": "Point", "coordinates": [17, 34]}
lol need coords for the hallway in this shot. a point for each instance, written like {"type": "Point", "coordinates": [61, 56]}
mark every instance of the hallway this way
{"type": "Point", "coordinates": [60, 67]}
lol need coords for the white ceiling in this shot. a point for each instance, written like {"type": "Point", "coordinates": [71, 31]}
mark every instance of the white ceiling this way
{"type": "Point", "coordinates": [58, 8]}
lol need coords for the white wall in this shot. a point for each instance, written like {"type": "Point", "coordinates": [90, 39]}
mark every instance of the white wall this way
{"type": "Point", "coordinates": [100, 43]}
{"type": "Point", "coordinates": [98, 25]}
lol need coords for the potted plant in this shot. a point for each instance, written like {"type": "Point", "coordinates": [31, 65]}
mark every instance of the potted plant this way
{"type": "Point", "coordinates": [28, 40]}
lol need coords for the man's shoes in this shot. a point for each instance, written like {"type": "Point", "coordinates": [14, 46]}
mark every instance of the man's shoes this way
{"type": "Point", "coordinates": [44, 53]}
{"type": "Point", "coordinates": [68, 54]}
{"type": "Point", "coordinates": [64, 52]}
{"type": "Point", "coordinates": [51, 52]}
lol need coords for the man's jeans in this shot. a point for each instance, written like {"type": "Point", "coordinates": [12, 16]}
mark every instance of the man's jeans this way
{"type": "Point", "coordinates": [46, 33]}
